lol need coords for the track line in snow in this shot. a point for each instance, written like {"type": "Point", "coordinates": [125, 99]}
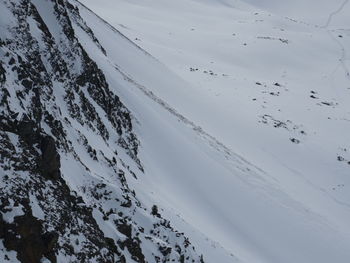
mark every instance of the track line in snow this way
{"type": "Point", "coordinates": [331, 15]}
{"type": "Point", "coordinates": [343, 57]}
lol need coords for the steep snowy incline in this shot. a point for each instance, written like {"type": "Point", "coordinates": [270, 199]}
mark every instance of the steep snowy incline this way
{"type": "Point", "coordinates": [288, 213]}
{"type": "Point", "coordinates": [281, 85]}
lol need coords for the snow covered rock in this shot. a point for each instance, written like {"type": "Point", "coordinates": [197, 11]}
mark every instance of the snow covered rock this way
{"type": "Point", "coordinates": [68, 149]}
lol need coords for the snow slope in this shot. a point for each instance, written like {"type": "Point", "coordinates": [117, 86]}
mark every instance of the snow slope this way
{"type": "Point", "coordinates": [231, 80]}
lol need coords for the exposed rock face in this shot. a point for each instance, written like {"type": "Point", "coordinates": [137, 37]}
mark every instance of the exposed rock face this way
{"type": "Point", "coordinates": [50, 160]}
{"type": "Point", "coordinates": [53, 100]}
{"type": "Point", "coordinates": [25, 236]}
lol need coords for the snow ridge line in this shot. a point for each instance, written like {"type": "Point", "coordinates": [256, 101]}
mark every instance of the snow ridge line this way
{"type": "Point", "coordinates": [114, 29]}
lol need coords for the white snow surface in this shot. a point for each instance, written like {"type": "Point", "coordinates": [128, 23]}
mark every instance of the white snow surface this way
{"type": "Point", "coordinates": [9, 256]}
{"type": "Point", "coordinates": [242, 111]}
{"type": "Point", "coordinates": [13, 211]}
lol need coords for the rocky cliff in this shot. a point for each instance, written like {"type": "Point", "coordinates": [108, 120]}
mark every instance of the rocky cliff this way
{"type": "Point", "coordinates": [60, 197]}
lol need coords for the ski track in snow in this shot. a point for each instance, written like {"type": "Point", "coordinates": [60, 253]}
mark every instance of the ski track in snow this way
{"type": "Point", "coordinates": [331, 15]}
{"type": "Point", "coordinates": [343, 57]}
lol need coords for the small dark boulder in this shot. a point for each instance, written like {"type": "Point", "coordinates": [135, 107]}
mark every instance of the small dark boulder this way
{"type": "Point", "coordinates": [154, 211]}
{"type": "Point", "coordinates": [26, 128]}
{"type": "Point", "coordinates": [165, 250]}
{"type": "Point", "coordinates": [2, 74]}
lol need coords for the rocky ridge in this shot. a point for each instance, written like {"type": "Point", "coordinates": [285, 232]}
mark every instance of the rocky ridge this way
{"type": "Point", "coordinates": [56, 104]}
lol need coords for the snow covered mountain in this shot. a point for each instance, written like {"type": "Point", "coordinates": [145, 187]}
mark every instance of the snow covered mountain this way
{"type": "Point", "coordinates": [69, 147]}
{"type": "Point", "coordinates": [174, 131]}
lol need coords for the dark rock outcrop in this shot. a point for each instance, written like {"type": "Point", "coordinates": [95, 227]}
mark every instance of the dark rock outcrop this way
{"type": "Point", "coordinates": [25, 236]}
{"type": "Point", "coordinates": [50, 159]}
